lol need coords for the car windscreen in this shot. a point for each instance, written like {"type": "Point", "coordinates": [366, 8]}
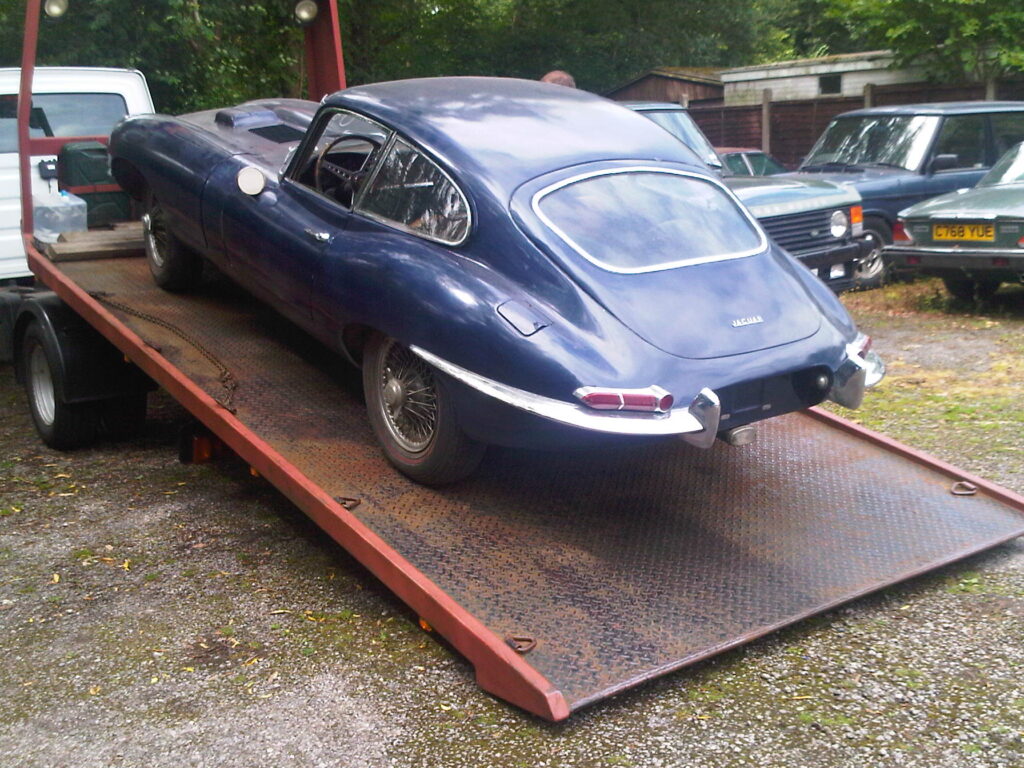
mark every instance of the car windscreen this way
{"type": "Point", "coordinates": [62, 114]}
{"type": "Point", "coordinates": [765, 165]}
{"type": "Point", "coordinates": [898, 141]}
{"type": "Point", "coordinates": [681, 125]}
{"type": "Point", "coordinates": [644, 219]}
{"type": "Point", "coordinates": [1009, 169]}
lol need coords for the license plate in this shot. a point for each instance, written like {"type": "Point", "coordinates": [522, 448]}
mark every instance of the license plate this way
{"type": "Point", "coordinates": [967, 232]}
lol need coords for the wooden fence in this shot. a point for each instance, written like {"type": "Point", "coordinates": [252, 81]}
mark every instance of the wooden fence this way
{"type": "Point", "coordinates": [795, 125]}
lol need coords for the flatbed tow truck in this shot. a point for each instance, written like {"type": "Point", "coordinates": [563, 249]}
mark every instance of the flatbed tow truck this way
{"type": "Point", "coordinates": [563, 579]}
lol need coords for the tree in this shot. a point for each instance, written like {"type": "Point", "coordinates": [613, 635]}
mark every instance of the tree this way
{"type": "Point", "coordinates": [195, 54]}
{"type": "Point", "coordinates": [978, 40]}
{"type": "Point", "coordinates": [203, 53]}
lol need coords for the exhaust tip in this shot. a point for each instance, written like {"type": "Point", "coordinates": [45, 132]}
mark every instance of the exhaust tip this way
{"type": "Point", "coordinates": [739, 436]}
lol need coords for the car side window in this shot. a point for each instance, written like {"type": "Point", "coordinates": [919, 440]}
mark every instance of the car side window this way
{"type": "Point", "coordinates": [963, 136]}
{"type": "Point", "coordinates": [764, 165]}
{"type": "Point", "coordinates": [736, 165]}
{"type": "Point", "coordinates": [1007, 130]}
{"type": "Point", "coordinates": [341, 159]}
{"type": "Point", "coordinates": [409, 190]}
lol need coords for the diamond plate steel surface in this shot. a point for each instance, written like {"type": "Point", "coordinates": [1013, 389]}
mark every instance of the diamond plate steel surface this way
{"type": "Point", "coordinates": [621, 564]}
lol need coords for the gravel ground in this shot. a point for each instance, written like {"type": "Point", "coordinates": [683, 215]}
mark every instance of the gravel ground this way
{"type": "Point", "coordinates": [154, 614]}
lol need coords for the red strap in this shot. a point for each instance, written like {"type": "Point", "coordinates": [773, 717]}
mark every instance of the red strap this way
{"type": "Point", "coordinates": [88, 189]}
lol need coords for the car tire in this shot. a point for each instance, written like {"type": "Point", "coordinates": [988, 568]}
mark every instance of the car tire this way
{"type": "Point", "coordinates": [61, 425]}
{"type": "Point", "coordinates": [413, 417]}
{"type": "Point", "coordinates": [870, 270]}
{"type": "Point", "coordinates": [967, 290]}
{"type": "Point", "coordinates": [175, 267]}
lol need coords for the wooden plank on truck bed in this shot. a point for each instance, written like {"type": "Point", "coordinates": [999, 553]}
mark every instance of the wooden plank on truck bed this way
{"type": "Point", "coordinates": [121, 242]}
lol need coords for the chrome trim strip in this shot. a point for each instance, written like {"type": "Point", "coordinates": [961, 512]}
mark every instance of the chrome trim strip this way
{"type": "Point", "coordinates": [678, 421]}
{"type": "Point", "coordinates": [966, 249]}
{"type": "Point", "coordinates": [535, 204]}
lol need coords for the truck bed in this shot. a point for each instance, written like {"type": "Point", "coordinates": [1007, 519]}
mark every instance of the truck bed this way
{"type": "Point", "coordinates": [563, 578]}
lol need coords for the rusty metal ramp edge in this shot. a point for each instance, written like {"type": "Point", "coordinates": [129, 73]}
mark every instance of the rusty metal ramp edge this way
{"type": "Point", "coordinates": [606, 567]}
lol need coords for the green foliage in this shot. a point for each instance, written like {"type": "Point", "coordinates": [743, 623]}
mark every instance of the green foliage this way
{"type": "Point", "coordinates": [194, 53]}
{"type": "Point", "coordinates": [977, 40]}
{"type": "Point", "coordinates": [202, 53]}
{"type": "Point", "coordinates": [820, 28]}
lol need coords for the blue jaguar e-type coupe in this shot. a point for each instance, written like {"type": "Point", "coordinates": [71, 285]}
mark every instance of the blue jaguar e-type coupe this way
{"type": "Point", "coordinates": [510, 262]}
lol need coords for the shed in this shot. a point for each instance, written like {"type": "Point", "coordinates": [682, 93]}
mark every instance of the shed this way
{"type": "Point", "coordinates": [842, 75]}
{"type": "Point", "coordinates": [675, 84]}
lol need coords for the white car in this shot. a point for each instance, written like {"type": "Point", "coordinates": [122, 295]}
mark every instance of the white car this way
{"type": "Point", "coordinates": [66, 101]}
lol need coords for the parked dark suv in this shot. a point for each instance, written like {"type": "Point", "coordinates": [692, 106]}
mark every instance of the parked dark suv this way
{"type": "Point", "coordinates": [898, 156]}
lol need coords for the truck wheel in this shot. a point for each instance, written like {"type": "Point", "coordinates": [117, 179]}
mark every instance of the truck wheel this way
{"type": "Point", "coordinates": [61, 425]}
{"type": "Point", "coordinates": [969, 291]}
{"type": "Point", "coordinates": [175, 267]}
{"type": "Point", "coordinates": [870, 270]}
{"type": "Point", "coordinates": [412, 416]}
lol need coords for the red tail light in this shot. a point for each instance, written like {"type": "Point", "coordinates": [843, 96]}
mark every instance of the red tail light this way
{"type": "Point", "coordinates": [653, 399]}
{"type": "Point", "coordinates": [900, 234]}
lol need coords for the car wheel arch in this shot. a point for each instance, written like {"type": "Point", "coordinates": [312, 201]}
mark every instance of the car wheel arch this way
{"type": "Point", "coordinates": [353, 340]}
{"type": "Point", "coordinates": [129, 178]}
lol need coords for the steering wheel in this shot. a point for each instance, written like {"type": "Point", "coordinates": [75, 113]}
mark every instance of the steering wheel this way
{"type": "Point", "coordinates": [350, 179]}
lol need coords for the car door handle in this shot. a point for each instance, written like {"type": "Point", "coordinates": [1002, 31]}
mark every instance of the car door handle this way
{"type": "Point", "coordinates": [320, 237]}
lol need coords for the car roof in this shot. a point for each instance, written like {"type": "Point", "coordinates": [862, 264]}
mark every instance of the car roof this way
{"type": "Point", "coordinates": [504, 131]}
{"type": "Point", "coordinates": [941, 108]}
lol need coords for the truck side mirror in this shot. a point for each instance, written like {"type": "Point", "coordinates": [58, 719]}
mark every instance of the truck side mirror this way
{"type": "Point", "coordinates": [944, 163]}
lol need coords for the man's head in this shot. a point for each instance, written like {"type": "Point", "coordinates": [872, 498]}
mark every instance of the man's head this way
{"type": "Point", "coordinates": [559, 77]}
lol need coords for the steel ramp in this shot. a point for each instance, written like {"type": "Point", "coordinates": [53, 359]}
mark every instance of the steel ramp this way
{"type": "Point", "coordinates": [607, 567]}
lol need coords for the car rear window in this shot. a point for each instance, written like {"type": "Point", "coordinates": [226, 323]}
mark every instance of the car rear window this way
{"type": "Point", "coordinates": [645, 219]}
{"type": "Point", "coordinates": [62, 114]}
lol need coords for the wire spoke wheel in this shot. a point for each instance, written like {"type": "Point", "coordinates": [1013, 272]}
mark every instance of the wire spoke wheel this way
{"type": "Point", "coordinates": [175, 267]}
{"type": "Point", "coordinates": [413, 414]}
{"type": "Point", "coordinates": [409, 397]}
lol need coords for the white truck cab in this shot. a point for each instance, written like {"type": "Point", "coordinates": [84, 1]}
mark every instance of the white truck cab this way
{"type": "Point", "coordinates": [66, 101]}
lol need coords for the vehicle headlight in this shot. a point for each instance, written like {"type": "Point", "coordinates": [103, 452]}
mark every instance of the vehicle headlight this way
{"type": "Point", "coordinates": [839, 224]}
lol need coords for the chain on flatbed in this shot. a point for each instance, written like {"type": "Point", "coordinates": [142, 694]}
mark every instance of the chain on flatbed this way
{"type": "Point", "coordinates": [225, 376]}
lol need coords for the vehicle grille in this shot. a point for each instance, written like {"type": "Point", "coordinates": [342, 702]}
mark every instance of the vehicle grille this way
{"type": "Point", "coordinates": [801, 232]}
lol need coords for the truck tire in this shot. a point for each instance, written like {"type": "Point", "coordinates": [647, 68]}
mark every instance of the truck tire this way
{"type": "Point", "coordinates": [175, 267]}
{"type": "Point", "coordinates": [61, 425]}
{"type": "Point", "coordinates": [412, 415]}
{"type": "Point", "coordinates": [870, 270]}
